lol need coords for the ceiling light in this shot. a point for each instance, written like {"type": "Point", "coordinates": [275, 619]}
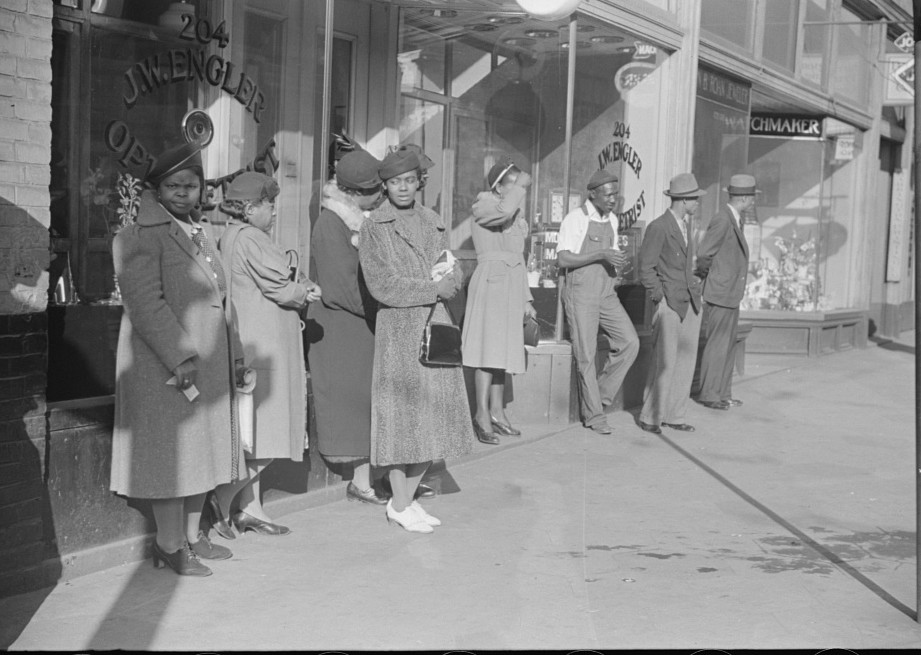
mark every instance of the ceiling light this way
{"type": "Point", "coordinates": [580, 45]}
{"type": "Point", "coordinates": [606, 38]}
{"type": "Point", "coordinates": [505, 20]}
{"type": "Point", "coordinates": [439, 13]}
{"type": "Point", "coordinates": [540, 34]}
{"type": "Point", "coordinates": [480, 27]}
{"type": "Point", "coordinates": [519, 40]}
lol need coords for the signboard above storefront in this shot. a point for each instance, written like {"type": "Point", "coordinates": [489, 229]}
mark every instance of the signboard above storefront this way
{"type": "Point", "coordinates": [899, 80]}
{"type": "Point", "coordinates": [723, 89]}
{"type": "Point", "coordinates": [786, 125]}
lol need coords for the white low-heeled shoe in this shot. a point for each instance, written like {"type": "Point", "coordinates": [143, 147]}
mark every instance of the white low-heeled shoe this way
{"type": "Point", "coordinates": [408, 519]}
{"type": "Point", "coordinates": [428, 518]}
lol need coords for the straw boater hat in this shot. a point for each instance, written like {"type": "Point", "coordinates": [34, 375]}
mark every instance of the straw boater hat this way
{"type": "Point", "coordinates": [741, 185]}
{"type": "Point", "coordinates": [599, 178]}
{"type": "Point", "coordinates": [684, 186]}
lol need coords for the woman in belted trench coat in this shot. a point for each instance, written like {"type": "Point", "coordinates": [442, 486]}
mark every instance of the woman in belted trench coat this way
{"type": "Point", "coordinates": [498, 297]}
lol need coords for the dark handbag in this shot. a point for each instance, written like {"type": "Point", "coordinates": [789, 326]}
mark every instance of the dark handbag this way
{"type": "Point", "coordinates": [531, 330]}
{"type": "Point", "coordinates": [441, 342]}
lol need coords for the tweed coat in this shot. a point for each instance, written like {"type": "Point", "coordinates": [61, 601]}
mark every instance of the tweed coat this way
{"type": "Point", "coordinates": [164, 446]}
{"type": "Point", "coordinates": [266, 305]}
{"type": "Point", "coordinates": [722, 260]}
{"type": "Point", "coordinates": [340, 330]}
{"type": "Point", "coordinates": [418, 413]}
{"type": "Point", "coordinates": [493, 335]}
{"type": "Point", "coordinates": [666, 265]}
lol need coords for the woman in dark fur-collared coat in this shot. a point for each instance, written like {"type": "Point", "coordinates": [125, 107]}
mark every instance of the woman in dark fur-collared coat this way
{"type": "Point", "coordinates": [419, 413]}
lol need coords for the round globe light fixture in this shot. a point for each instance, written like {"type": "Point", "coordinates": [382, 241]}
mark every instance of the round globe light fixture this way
{"type": "Point", "coordinates": [549, 9]}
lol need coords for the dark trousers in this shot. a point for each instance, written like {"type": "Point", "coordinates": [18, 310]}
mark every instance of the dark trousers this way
{"type": "Point", "coordinates": [719, 356]}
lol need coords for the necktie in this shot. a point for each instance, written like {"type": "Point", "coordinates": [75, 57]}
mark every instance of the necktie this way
{"type": "Point", "coordinates": [204, 244]}
{"type": "Point", "coordinates": [684, 229]}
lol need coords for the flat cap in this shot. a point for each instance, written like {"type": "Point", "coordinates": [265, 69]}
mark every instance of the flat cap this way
{"type": "Point", "coordinates": [359, 170]}
{"type": "Point", "coordinates": [252, 186]}
{"type": "Point", "coordinates": [179, 158]}
{"type": "Point", "coordinates": [600, 177]}
{"type": "Point", "coordinates": [398, 162]}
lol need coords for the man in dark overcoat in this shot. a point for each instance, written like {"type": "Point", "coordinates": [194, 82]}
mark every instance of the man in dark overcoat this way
{"type": "Point", "coordinates": [722, 262]}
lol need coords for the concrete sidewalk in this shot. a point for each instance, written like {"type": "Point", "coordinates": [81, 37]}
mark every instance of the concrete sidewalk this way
{"type": "Point", "coordinates": [786, 523]}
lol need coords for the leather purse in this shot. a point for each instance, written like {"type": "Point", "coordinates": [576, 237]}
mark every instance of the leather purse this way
{"type": "Point", "coordinates": [531, 330]}
{"type": "Point", "coordinates": [441, 342]}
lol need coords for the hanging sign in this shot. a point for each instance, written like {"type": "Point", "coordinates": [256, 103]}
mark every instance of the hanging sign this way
{"type": "Point", "coordinates": [789, 125]}
{"type": "Point", "coordinates": [899, 88]}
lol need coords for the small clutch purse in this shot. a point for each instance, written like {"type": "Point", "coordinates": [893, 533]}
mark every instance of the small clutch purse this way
{"type": "Point", "coordinates": [531, 330]}
{"type": "Point", "coordinates": [441, 342]}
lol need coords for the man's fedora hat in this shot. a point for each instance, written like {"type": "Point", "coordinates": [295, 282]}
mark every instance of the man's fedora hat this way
{"type": "Point", "coordinates": [742, 185]}
{"type": "Point", "coordinates": [684, 186]}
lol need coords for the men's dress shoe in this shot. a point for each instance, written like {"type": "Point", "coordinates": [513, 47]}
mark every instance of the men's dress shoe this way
{"type": "Point", "coordinates": [354, 493]}
{"type": "Point", "coordinates": [505, 428]}
{"type": "Point", "coordinates": [207, 550]}
{"type": "Point", "coordinates": [684, 427]}
{"type": "Point", "coordinates": [218, 522]}
{"type": "Point", "coordinates": [601, 428]}
{"type": "Point", "coordinates": [733, 402]}
{"type": "Point", "coordinates": [243, 522]}
{"type": "Point", "coordinates": [183, 561]}
{"type": "Point", "coordinates": [714, 404]}
{"type": "Point", "coordinates": [649, 427]}
{"type": "Point", "coordinates": [483, 436]}
{"type": "Point", "coordinates": [409, 519]}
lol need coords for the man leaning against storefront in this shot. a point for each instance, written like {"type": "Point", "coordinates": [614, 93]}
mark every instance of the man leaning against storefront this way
{"type": "Point", "coordinates": [722, 262]}
{"type": "Point", "coordinates": [667, 271]}
{"type": "Point", "coordinates": [587, 251]}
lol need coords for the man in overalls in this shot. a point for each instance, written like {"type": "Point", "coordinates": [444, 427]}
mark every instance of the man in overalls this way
{"type": "Point", "coordinates": [587, 251]}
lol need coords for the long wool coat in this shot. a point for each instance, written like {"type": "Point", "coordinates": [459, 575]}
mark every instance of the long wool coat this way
{"type": "Point", "coordinates": [266, 304]}
{"type": "Point", "coordinates": [419, 413]}
{"type": "Point", "coordinates": [340, 330]}
{"type": "Point", "coordinates": [498, 292]}
{"type": "Point", "coordinates": [164, 446]}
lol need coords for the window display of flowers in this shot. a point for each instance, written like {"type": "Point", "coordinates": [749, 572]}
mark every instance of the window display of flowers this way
{"type": "Point", "coordinates": [120, 203]}
{"type": "Point", "coordinates": [789, 283]}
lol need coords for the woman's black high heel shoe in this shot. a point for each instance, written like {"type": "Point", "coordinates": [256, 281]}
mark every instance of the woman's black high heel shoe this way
{"type": "Point", "coordinates": [483, 436]}
{"type": "Point", "coordinates": [183, 561]}
{"type": "Point", "coordinates": [504, 428]}
{"type": "Point", "coordinates": [243, 522]}
{"type": "Point", "coordinates": [218, 522]}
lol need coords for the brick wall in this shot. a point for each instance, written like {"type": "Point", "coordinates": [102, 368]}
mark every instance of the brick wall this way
{"type": "Point", "coordinates": [26, 537]}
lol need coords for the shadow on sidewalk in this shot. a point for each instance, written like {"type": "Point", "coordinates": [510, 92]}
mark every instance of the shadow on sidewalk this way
{"type": "Point", "coordinates": [889, 344]}
{"type": "Point", "coordinates": [799, 534]}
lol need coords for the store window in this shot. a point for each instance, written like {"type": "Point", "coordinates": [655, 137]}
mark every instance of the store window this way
{"type": "Point", "coordinates": [126, 75]}
{"type": "Point", "coordinates": [780, 27]}
{"type": "Point", "coordinates": [731, 20]}
{"type": "Point", "coordinates": [853, 63]}
{"type": "Point", "coordinates": [477, 87]}
{"type": "Point", "coordinates": [816, 37]}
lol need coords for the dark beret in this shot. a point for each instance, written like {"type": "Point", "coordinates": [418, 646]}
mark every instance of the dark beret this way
{"type": "Point", "coordinates": [359, 170]}
{"type": "Point", "coordinates": [398, 162]}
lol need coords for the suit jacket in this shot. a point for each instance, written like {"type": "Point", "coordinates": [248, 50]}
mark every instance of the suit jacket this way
{"type": "Point", "coordinates": [722, 260]}
{"type": "Point", "coordinates": [666, 265]}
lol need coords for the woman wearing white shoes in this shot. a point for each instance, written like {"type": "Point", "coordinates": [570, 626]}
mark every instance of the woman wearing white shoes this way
{"type": "Point", "coordinates": [418, 413]}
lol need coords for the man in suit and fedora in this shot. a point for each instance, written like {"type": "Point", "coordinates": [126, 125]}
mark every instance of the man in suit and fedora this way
{"type": "Point", "coordinates": [722, 262]}
{"type": "Point", "coordinates": [587, 249]}
{"type": "Point", "coordinates": [666, 269]}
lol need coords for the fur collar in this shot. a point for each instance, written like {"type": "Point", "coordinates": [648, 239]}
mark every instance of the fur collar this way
{"type": "Point", "coordinates": [345, 207]}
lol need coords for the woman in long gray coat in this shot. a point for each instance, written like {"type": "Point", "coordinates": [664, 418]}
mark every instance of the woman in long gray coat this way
{"type": "Point", "coordinates": [498, 297]}
{"type": "Point", "coordinates": [418, 413]}
{"type": "Point", "coordinates": [266, 301]}
{"type": "Point", "coordinates": [175, 434]}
